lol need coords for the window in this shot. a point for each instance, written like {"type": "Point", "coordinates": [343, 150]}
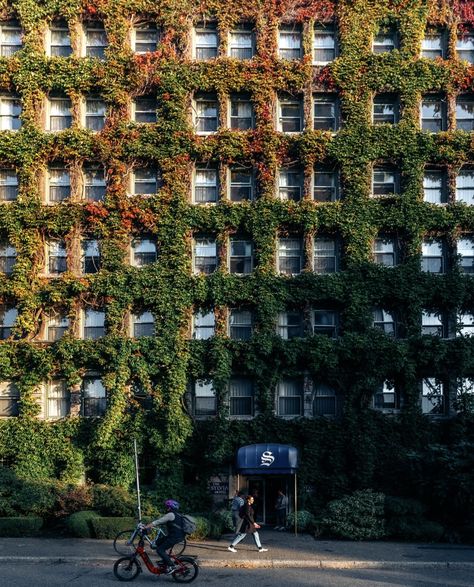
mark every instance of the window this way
{"type": "Point", "coordinates": [59, 184]}
{"type": "Point", "coordinates": [433, 113]}
{"type": "Point", "coordinates": [9, 399]}
{"type": "Point", "coordinates": [7, 258]}
{"type": "Point", "coordinates": [146, 181]}
{"type": "Point", "coordinates": [95, 40]}
{"type": "Point", "coordinates": [241, 184]}
{"type": "Point", "coordinates": [10, 110]}
{"type": "Point", "coordinates": [146, 37]}
{"type": "Point", "coordinates": [465, 47]}
{"type": "Point", "coordinates": [94, 183]}
{"type": "Point", "coordinates": [290, 325]}
{"type": "Point", "coordinates": [291, 114]}
{"type": "Point", "coordinates": [435, 186]}
{"type": "Point", "coordinates": [385, 251]}
{"type": "Point", "coordinates": [433, 257]}
{"type": "Point", "coordinates": [326, 112]}
{"type": "Point", "coordinates": [95, 114]}
{"type": "Point", "coordinates": [57, 399]}
{"type": "Point", "coordinates": [324, 44]}
{"type": "Point", "coordinates": [206, 41]}
{"type": "Point", "coordinates": [241, 112]}
{"type": "Point", "coordinates": [384, 321]}
{"type": "Point", "coordinates": [464, 394]}
{"type": "Point", "coordinates": [465, 112]}
{"type": "Point", "coordinates": [386, 398]}
{"type": "Point", "coordinates": [290, 397]}
{"type": "Point", "coordinates": [465, 325]}
{"type": "Point", "coordinates": [59, 40]}
{"type": "Point", "coordinates": [206, 115]}
{"type": "Point", "coordinates": [90, 256]}
{"type": "Point", "coordinates": [434, 44]}
{"type": "Point", "coordinates": [386, 109]}
{"type": "Point", "coordinates": [240, 324]}
{"type": "Point", "coordinates": [143, 252]}
{"type": "Point", "coordinates": [206, 185]}
{"type": "Point", "coordinates": [241, 394]}
{"type": "Point", "coordinates": [144, 109]}
{"type": "Point", "coordinates": [465, 250]}
{"type": "Point", "coordinates": [56, 326]}
{"type": "Point", "coordinates": [241, 42]}
{"type": "Point", "coordinates": [325, 322]}
{"type": "Point", "coordinates": [205, 401]}
{"type": "Point", "coordinates": [326, 184]}
{"type": "Point", "coordinates": [384, 180]}
{"type": "Point", "coordinates": [8, 316]}
{"type": "Point", "coordinates": [60, 115]}
{"type": "Point", "coordinates": [8, 185]}
{"type": "Point", "coordinates": [94, 399]}
{"type": "Point", "coordinates": [433, 397]}
{"type": "Point", "coordinates": [290, 256]}
{"type": "Point", "coordinates": [204, 325]}
{"type": "Point", "coordinates": [10, 38]}
{"type": "Point", "coordinates": [289, 43]}
{"type": "Point", "coordinates": [433, 324]}
{"type": "Point", "coordinates": [57, 257]}
{"type": "Point", "coordinates": [290, 184]}
{"type": "Point", "coordinates": [241, 256]}
{"type": "Point", "coordinates": [143, 324]}
{"type": "Point", "coordinates": [465, 185]}
{"type": "Point", "coordinates": [325, 400]}
{"type": "Point", "coordinates": [325, 255]}
{"type": "Point", "coordinates": [205, 255]}
{"type": "Point", "coordinates": [94, 324]}
{"type": "Point", "coordinates": [385, 41]}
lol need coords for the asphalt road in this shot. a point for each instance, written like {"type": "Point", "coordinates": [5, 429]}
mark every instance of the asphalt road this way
{"type": "Point", "coordinates": [64, 575]}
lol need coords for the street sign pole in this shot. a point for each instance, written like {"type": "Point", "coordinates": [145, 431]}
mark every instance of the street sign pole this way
{"type": "Point", "coordinates": [137, 480]}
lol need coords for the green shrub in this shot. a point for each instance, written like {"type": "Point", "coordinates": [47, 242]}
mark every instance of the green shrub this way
{"type": "Point", "coordinates": [359, 516]}
{"type": "Point", "coordinates": [113, 501]}
{"type": "Point", "coordinates": [77, 498]}
{"type": "Point", "coordinates": [400, 506]}
{"type": "Point", "coordinates": [79, 524]}
{"type": "Point", "coordinates": [110, 527]}
{"type": "Point", "coordinates": [20, 527]}
{"type": "Point", "coordinates": [220, 522]}
{"type": "Point", "coordinates": [416, 529]}
{"type": "Point", "coordinates": [305, 520]}
{"type": "Point", "coordinates": [203, 528]}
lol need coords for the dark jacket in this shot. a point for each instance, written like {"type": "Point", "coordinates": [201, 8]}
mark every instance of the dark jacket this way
{"type": "Point", "coordinates": [248, 521]}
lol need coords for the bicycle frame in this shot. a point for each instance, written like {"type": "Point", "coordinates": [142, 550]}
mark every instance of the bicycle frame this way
{"type": "Point", "coordinates": [155, 570]}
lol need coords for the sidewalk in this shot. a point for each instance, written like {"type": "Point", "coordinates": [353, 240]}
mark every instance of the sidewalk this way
{"type": "Point", "coordinates": [284, 550]}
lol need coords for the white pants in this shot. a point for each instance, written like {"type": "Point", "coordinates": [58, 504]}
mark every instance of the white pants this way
{"type": "Point", "coordinates": [242, 535]}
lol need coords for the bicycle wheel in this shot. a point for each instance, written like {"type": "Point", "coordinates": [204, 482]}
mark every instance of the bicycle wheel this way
{"type": "Point", "coordinates": [187, 570]}
{"type": "Point", "coordinates": [126, 568]}
{"type": "Point", "coordinates": [179, 547]}
{"type": "Point", "coordinates": [122, 543]}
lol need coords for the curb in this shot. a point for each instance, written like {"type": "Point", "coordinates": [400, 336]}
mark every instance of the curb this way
{"type": "Point", "coordinates": [260, 564]}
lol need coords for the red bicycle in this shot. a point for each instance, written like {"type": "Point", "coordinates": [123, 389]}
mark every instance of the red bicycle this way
{"type": "Point", "coordinates": [128, 568]}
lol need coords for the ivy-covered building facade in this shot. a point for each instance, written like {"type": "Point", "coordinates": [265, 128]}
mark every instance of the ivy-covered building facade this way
{"type": "Point", "coordinates": [233, 224]}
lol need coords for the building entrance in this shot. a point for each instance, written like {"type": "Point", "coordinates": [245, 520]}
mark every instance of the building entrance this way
{"type": "Point", "coordinates": [265, 491]}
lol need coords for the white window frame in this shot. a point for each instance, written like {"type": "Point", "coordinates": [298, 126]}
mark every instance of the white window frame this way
{"type": "Point", "coordinates": [288, 328]}
{"type": "Point", "coordinates": [147, 27]}
{"type": "Point", "coordinates": [58, 26]}
{"type": "Point", "coordinates": [56, 399]}
{"type": "Point", "coordinates": [203, 325]}
{"type": "Point", "coordinates": [100, 397]}
{"type": "Point", "coordinates": [435, 191]}
{"type": "Point", "coordinates": [136, 181]}
{"type": "Point", "coordinates": [8, 257]}
{"type": "Point", "coordinates": [247, 48]}
{"type": "Point", "coordinates": [292, 390]}
{"type": "Point", "coordinates": [9, 397]}
{"type": "Point", "coordinates": [329, 192]}
{"type": "Point", "coordinates": [387, 322]}
{"type": "Point", "coordinates": [8, 316]}
{"type": "Point", "coordinates": [203, 173]}
{"type": "Point", "coordinates": [56, 323]}
{"type": "Point", "coordinates": [433, 324]}
{"type": "Point", "coordinates": [387, 171]}
{"type": "Point", "coordinates": [464, 324]}
{"type": "Point", "coordinates": [465, 122]}
{"type": "Point", "coordinates": [388, 389]}
{"type": "Point", "coordinates": [90, 256]}
{"type": "Point", "coordinates": [325, 100]}
{"type": "Point", "coordinates": [325, 395]}
{"type": "Point", "coordinates": [287, 50]}
{"type": "Point", "coordinates": [250, 185]}
{"type": "Point", "coordinates": [284, 101]}
{"type": "Point", "coordinates": [55, 180]}
{"type": "Point", "coordinates": [87, 47]}
{"type": "Point", "coordinates": [93, 118]}
{"type": "Point", "coordinates": [330, 254]}
{"type": "Point", "coordinates": [328, 42]}
{"type": "Point", "coordinates": [201, 119]}
{"type": "Point", "coordinates": [248, 259]}
{"type": "Point", "coordinates": [10, 112]}
{"type": "Point", "coordinates": [386, 100]}
{"type": "Point", "coordinates": [8, 185]}
{"type": "Point", "coordinates": [430, 246]}
{"type": "Point", "coordinates": [88, 314]}
{"type": "Point", "coordinates": [204, 390]}
{"type": "Point", "coordinates": [433, 393]}
{"type": "Point", "coordinates": [248, 122]}
{"type": "Point", "coordinates": [465, 47]}
{"type": "Point", "coordinates": [294, 189]}
{"type": "Point", "coordinates": [60, 109]}
{"type": "Point", "coordinates": [241, 324]}
{"type": "Point", "coordinates": [56, 249]}
{"type": "Point", "coordinates": [210, 29]}
{"type": "Point", "coordinates": [5, 26]}
{"type": "Point", "coordinates": [90, 181]}
{"type": "Point", "coordinates": [139, 111]}
{"type": "Point", "coordinates": [144, 318]}
{"type": "Point", "coordinates": [430, 52]}
{"type": "Point", "coordinates": [462, 189]}
{"type": "Point", "coordinates": [248, 387]}
{"type": "Point", "coordinates": [385, 251]}
{"type": "Point", "coordinates": [465, 251]}
{"type": "Point", "coordinates": [143, 242]}
{"type": "Point", "coordinates": [433, 122]}
{"type": "Point", "coordinates": [292, 249]}
{"type": "Point", "coordinates": [203, 244]}
{"type": "Point", "coordinates": [329, 326]}
{"type": "Point", "coordinates": [380, 46]}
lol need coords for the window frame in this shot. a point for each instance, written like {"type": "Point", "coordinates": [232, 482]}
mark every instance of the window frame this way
{"type": "Point", "coordinates": [144, 113]}
{"type": "Point", "coordinates": [203, 331]}
{"type": "Point", "coordinates": [250, 185]}
{"type": "Point", "coordinates": [200, 268]}
{"type": "Point", "coordinates": [333, 190]}
{"type": "Point", "coordinates": [249, 414]}
{"type": "Point", "coordinates": [100, 408]}
{"type": "Point", "coordinates": [6, 184]}
{"type": "Point", "coordinates": [204, 28]}
{"type": "Point", "coordinates": [90, 264]}
{"type": "Point", "coordinates": [8, 258]}
{"type": "Point", "coordinates": [386, 99]}
{"type": "Point", "coordinates": [62, 399]}
{"type": "Point", "coordinates": [284, 121]}
{"type": "Point", "coordinates": [93, 51]}
{"type": "Point", "coordinates": [440, 32]}
{"type": "Point", "coordinates": [442, 405]}
{"type": "Point", "coordinates": [325, 30]}
{"type": "Point", "coordinates": [331, 329]}
{"type": "Point", "coordinates": [246, 259]}
{"type": "Point", "coordinates": [469, 100]}
{"type": "Point", "coordinates": [295, 385]}
{"type": "Point", "coordinates": [460, 189]}
{"type": "Point", "coordinates": [379, 255]}
{"type": "Point", "coordinates": [240, 330]}
{"type": "Point", "coordinates": [290, 254]}
{"type": "Point", "coordinates": [10, 25]}
{"type": "Point", "coordinates": [94, 330]}
{"type": "Point", "coordinates": [425, 259]}
{"type": "Point", "coordinates": [434, 124]}
{"type": "Point", "coordinates": [288, 53]}
{"type": "Point", "coordinates": [11, 121]}
{"type": "Point", "coordinates": [145, 25]}
{"type": "Point", "coordinates": [56, 26]}
{"type": "Point", "coordinates": [248, 121]}
{"type": "Point", "coordinates": [325, 100]}
{"type": "Point", "coordinates": [335, 255]}
{"type": "Point", "coordinates": [55, 322]}
{"type": "Point", "coordinates": [62, 187]}
{"type": "Point", "coordinates": [9, 395]}
{"type": "Point", "coordinates": [90, 182]}
{"type": "Point", "coordinates": [6, 327]}
{"type": "Point", "coordinates": [137, 320]}
{"type": "Point", "coordinates": [211, 411]}
{"type": "Point", "coordinates": [388, 327]}
{"type": "Point", "coordinates": [242, 28]}
{"type": "Point", "coordinates": [135, 255]}
{"type": "Point", "coordinates": [386, 169]}
{"type": "Point", "coordinates": [283, 327]}
{"type": "Point", "coordinates": [292, 188]}
{"type": "Point", "coordinates": [61, 253]}
{"type": "Point", "coordinates": [443, 185]}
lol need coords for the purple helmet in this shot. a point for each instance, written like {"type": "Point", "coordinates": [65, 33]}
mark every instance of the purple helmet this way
{"type": "Point", "coordinates": [171, 504]}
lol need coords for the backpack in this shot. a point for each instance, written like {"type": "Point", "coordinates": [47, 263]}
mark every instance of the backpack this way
{"type": "Point", "coordinates": [187, 523]}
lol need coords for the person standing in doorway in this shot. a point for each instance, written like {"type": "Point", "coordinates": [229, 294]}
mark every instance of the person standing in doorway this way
{"type": "Point", "coordinates": [281, 508]}
{"type": "Point", "coordinates": [237, 503]}
{"type": "Point", "coordinates": [248, 526]}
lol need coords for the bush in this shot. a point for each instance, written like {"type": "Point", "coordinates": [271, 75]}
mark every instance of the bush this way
{"type": "Point", "coordinates": [110, 527]}
{"type": "Point", "coordinates": [304, 519]}
{"type": "Point", "coordinates": [417, 529]}
{"type": "Point", "coordinates": [20, 527]}
{"type": "Point", "coordinates": [400, 506]}
{"type": "Point", "coordinates": [77, 498]}
{"type": "Point", "coordinates": [220, 522]}
{"type": "Point", "coordinates": [79, 524]}
{"type": "Point", "coordinates": [113, 501]}
{"type": "Point", "coordinates": [359, 516]}
{"type": "Point", "coordinates": [203, 528]}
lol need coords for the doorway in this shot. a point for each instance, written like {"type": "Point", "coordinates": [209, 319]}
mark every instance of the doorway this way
{"type": "Point", "coordinates": [265, 492]}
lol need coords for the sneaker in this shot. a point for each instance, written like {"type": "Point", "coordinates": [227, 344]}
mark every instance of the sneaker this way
{"type": "Point", "coordinates": [231, 548]}
{"type": "Point", "coordinates": [263, 549]}
{"type": "Point", "coordinates": [171, 569]}
{"type": "Point", "coordinates": [277, 527]}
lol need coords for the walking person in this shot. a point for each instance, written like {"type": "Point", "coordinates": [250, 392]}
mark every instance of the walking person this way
{"type": "Point", "coordinates": [248, 526]}
{"type": "Point", "coordinates": [237, 503]}
{"type": "Point", "coordinates": [281, 507]}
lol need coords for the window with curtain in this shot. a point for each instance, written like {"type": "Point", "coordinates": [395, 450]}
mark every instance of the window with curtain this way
{"type": "Point", "coordinates": [10, 111]}
{"type": "Point", "coordinates": [205, 255]}
{"type": "Point", "coordinates": [241, 395]}
{"type": "Point", "coordinates": [7, 258]}
{"type": "Point", "coordinates": [8, 184]}
{"type": "Point", "coordinates": [57, 399]}
{"type": "Point", "coordinates": [8, 316]}
{"type": "Point", "coordinates": [60, 113]}
{"type": "Point", "coordinates": [290, 397]}
{"type": "Point", "coordinates": [94, 324]}
{"type": "Point", "coordinates": [94, 398]}
{"type": "Point", "coordinates": [205, 401]}
{"type": "Point", "coordinates": [204, 325]}
{"type": "Point", "coordinates": [94, 183]}
{"type": "Point", "coordinates": [144, 252]}
{"type": "Point", "coordinates": [143, 324]}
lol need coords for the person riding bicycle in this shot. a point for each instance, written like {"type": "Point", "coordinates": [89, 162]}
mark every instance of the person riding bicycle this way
{"type": "Point", "coordinates": [174, 529]}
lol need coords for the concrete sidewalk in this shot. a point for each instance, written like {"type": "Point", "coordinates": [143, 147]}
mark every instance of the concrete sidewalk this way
{"type": "Point", "coordinates": [284, 550]}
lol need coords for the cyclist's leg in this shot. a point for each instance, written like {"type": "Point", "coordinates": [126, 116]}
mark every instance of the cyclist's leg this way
{"type": "Point", "coordinates": [166, 544]}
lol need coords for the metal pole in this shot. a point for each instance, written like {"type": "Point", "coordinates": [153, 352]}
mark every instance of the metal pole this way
{"type": "Point", "coordinates": [137, 480]}
{"type": "Point", "coordinates": [296, 506]}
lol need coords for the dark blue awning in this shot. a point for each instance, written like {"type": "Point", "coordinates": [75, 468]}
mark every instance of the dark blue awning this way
{"type": "Point", "coordinates": [267, 459]}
